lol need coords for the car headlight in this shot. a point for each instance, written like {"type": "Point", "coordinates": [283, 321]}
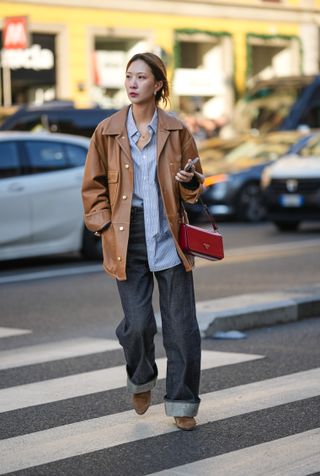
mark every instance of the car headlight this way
{"type": "Point", "coordinates": [219, 190]}
{"type": "Point", "coordinates": [217, 184]}
{"type": "Point", "coordinates": [266, 177]}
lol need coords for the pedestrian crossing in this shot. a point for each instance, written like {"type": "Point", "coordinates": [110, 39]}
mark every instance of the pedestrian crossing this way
{"type": "Point", "coordinates": [52, 351]}
{"type": "Point", "coordinates": [11, 332]}
{"type": "Point", "coordinates": [87, 383]}
{"type": "Point", "coordinates": [296, 454]}
{"type": "Point", "coordinates": [293, 455]}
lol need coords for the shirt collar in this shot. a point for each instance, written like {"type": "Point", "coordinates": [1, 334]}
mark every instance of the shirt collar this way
{"type": "Point", "coordinates": [131, 125]}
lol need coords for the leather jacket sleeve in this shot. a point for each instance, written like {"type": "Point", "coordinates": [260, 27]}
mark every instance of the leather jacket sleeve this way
{"type": "Point", "coordinates": [95, 191]}
{"type": "Point", "coordinates": [190, 193]}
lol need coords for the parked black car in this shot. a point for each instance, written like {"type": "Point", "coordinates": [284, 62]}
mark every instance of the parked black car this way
{"type": "Point", "coordinates": [291, 187]}
{"type": "Point", "coordinates": [56, 117]}
{"type": "Point", "coordinates": [233, 187]}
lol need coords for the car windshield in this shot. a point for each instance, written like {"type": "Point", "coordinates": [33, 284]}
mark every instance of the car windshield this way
{"type": "Point", "coordinates": [255, 152]}
{"type": "Point", "coordinates": [267, 105]}
{"type": "Point", "coordinates": [264, 114]}
{"type": "Point", "coordinates": [312, 149]}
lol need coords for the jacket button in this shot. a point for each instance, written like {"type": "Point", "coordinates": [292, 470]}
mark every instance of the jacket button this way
{"type": "Point", "coordinates": [121, 228]}
{"type": "Point", "coordinates": [119, 258]}
{"type": "Point", "coordinates": [127, 166]}
{"type": "Point", "coordinates": [124, 197]}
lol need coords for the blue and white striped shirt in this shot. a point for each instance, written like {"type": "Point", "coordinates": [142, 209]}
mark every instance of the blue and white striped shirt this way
{"type": "Point", "coordinates": [161, 250]}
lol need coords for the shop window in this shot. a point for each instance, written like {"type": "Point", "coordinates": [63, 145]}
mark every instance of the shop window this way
{"type": "Point", "coordinates": [264, 57]}
{"type": "Point", "coordinates": [110, 58]}
{"type": "Point", "coordinates": [34, 79]}
{"type": "Point", "coordinates": [200, 86]}
{"type": "Point", "coordinates": [193, 54]}
{"type": "Point", "coordinates": [272, 56]}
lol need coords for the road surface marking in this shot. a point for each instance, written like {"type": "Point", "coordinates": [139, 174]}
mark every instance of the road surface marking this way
{"type": "Point", "coordinates": [245, 253]}
{"type": "Point", "coordinates": [54, 273]}
{"type": "Point", "coordinates": [11, 331]}
{"type": "Point", "coordinates": [295, 455]}
{"type": "Point", "coordinates": [289, 245]}
{"type": "Point", "coordinates": [261, 252]}
{"type": "Point", "coordinates": [87, 383]}
{"type": "Point", "coordinates": [84, 437]}
{"type": "Point", "coordinates": [66, 349]}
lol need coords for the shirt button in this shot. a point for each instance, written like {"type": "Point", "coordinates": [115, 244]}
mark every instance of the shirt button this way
{"type": "Point", "coordinates": [124, 197]}
{"type": "Point", "coordinates": [119, 258]}
{"type": "Point", "coordinates": [121, 228]}
{"type": "Point", "coordinates": [127, 166]}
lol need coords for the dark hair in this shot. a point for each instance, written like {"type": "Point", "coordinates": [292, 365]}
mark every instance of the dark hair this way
{"type": "Point", "coordinates": [159, 72]}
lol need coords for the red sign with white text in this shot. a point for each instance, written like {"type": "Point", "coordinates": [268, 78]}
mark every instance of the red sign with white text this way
{"type": "Point", "coordinates": [15, 33]}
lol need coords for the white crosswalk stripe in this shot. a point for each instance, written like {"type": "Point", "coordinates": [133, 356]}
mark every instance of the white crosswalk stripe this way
{"type": "Point", "coordinates": [41, 353]}
{"type": "Point", "coordinates": [96, 381]}
{"type": "Point", "coordinates": [86, 436]}
{"type": "Point", "coordinates": [100, 433]}
{"type": "Point", "coordinates": [294, 455]}
{"type": "Point", "coordinates": [11, 332]}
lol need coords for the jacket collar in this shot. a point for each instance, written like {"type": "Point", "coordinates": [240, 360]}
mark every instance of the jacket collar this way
{"type": "Point", "coordinates": [116, 124]}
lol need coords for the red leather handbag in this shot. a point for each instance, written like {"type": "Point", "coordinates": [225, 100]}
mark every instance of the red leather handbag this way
{"type": "Point", "coordinates": [200, 242]}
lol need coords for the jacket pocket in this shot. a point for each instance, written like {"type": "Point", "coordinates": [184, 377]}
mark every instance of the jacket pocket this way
{"type": "Point", "coordinates": [113, 184]}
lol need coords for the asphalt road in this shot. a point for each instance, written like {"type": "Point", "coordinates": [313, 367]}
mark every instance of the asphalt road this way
{"type": "Point", "coordinates": [62, 411]}
{"type": "Point", "coordinates": [44, 298]}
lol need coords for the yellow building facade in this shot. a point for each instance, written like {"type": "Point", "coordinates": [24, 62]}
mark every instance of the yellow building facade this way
{"type": "Point", "coordinates": [213, 49]}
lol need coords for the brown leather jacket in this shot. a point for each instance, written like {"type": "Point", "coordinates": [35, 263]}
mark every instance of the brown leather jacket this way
{"type": "Point", "coordinates": [108, 183]}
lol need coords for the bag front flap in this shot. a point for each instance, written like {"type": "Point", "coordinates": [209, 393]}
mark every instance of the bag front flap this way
{"type": "Point", "coordinates": [204, 241]}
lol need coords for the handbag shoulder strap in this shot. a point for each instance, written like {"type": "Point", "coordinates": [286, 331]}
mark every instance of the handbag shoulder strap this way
{"type": "Point", "coordinates": [205, 208]}
{"type": "Point", "coordinates": [211, 217]}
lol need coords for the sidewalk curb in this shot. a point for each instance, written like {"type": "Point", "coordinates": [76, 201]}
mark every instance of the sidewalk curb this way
{"type": "Point", "coordinates": [250, 311]}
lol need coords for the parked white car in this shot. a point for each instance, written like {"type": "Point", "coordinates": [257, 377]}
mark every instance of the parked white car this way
{"type": "Point", "coordinates": [40, 196]}
{"type": "Point", "coordinates": [291, 187]}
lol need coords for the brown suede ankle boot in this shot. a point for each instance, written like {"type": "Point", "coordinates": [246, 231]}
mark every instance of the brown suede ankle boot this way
{"type": "Point", "coordinates": [141, 402]}
{"type": "Point", "coordinates": [185, 423]}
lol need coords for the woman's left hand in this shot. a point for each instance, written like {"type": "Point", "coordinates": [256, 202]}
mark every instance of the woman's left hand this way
{"type": "Point", "coordinates": [183, 176]}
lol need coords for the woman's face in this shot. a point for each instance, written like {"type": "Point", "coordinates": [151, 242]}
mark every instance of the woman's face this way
{"type": "Point", "coordinates": [140, 83]}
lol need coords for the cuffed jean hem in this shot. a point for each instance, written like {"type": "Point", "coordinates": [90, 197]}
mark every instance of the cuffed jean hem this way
{"type": "Point", "coordinates": [180, 408]}
{"type": "Point", "coordinates": [145, 387]}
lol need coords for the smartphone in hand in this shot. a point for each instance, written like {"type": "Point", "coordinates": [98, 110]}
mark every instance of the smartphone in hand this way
{"type": "Point", "coordinates": [189, 165]}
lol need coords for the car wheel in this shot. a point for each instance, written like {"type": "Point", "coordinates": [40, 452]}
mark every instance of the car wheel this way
{"type": "Point", "coordinates": [250, 205]}
{"type": "Point", "coordinates": [286, 225]}
{"type": "Point", "coordinates": [91, 245]}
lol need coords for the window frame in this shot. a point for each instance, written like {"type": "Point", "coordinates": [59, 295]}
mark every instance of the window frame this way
{"type": "Point", "coordinates": [21, 169]}
{"type": "Point", "coordinates": [28, 163]}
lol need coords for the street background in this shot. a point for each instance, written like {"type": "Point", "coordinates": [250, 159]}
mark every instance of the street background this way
{"type": "Point", "coordinates": [63, 309]}
{"type": "Point", "coordinates": [258, 259]}
{"type": "Point", "coordinates": [244, 77]}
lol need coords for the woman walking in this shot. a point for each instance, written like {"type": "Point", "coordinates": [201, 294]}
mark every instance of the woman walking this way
{"type": "Point", "coordinates": [133, 182]}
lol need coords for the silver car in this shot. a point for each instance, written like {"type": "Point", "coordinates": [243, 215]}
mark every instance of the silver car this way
{"type": "Point", "coordinates": [40, 196]}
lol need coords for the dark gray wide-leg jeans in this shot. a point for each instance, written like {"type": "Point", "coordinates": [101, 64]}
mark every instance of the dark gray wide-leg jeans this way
{"type": "Point", "coordinates": [181, 337]}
